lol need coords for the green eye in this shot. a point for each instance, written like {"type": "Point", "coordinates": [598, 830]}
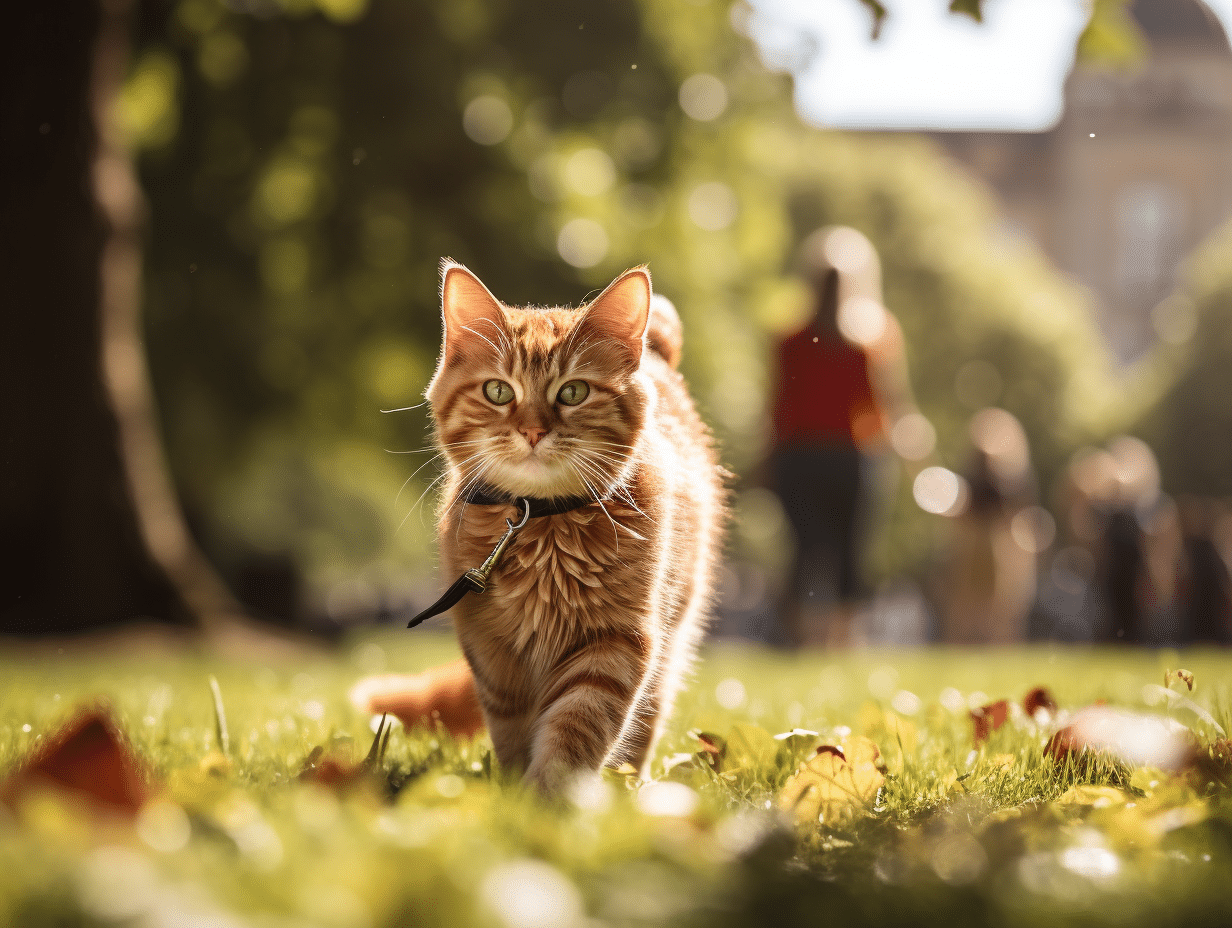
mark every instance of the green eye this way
{"type": "Point", "coordinates": [573, 392]}
{"type": "Point", "coordinates": [497, 391]}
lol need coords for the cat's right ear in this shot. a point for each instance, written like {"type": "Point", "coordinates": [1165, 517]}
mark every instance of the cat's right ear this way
{"type": "Point", "coordinates": [474, 320]}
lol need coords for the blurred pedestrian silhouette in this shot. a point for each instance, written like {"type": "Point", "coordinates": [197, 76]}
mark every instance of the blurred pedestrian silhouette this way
{"type": "Point", "coordinates": [987, 583]}
{"type": "Point", "coordinates": [841, 381]}
{"type": "Point", "coordinates": [1206, 584]}
{"type": "Point", "coordinates": [1126, 565]}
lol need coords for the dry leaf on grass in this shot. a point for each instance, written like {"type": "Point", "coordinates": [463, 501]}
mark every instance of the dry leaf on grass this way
{"type": "Point", "coordinates": [89, 759]}
{"type": "Point", "coordinates": [1039, 698]}
{"type": "Point", "coordinates": [1181, 676]}
{"type": "Point", "coordinates": [836, 784]}
{"type": "Point", "coordinates": [987, 719]}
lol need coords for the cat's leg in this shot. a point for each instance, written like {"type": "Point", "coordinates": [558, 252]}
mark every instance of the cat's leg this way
{"type": "Point", "coordinates": [507, 714]}
{"type": "Point", "coordinates": [585, 708]}
{"type": "Point", "coordinates": [640, 734]}
{"type": "Point", "coordinates": [510, 739]}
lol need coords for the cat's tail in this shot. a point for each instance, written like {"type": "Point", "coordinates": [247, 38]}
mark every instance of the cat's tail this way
{"type": "Point", "coordinates": [664, 335]}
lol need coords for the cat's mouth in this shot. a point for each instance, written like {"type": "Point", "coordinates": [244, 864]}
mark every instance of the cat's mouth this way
{"type": "Point", "coordinates": [539, 472]}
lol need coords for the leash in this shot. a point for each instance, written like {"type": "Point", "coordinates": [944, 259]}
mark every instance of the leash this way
{"type": "Point", "coordinates": [475, 580]}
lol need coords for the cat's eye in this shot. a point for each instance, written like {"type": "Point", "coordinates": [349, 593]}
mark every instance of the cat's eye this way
{"type": "Point", "coordinates": [573, 392]}
{"type": "Point", "coordinates": [497, 391]}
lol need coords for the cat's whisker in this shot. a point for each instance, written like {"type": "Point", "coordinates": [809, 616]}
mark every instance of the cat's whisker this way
{"type": "Point", "coordinates": [595, 494]}
{"type": "Point", "coordinates": [413, 475]}
{"type": "Point", "coordinates": [406, 408]}
{"type": "Point", "coordinates": [429, 487]}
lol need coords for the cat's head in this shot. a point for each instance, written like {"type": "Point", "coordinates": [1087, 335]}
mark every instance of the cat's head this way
{"type": "Point", "coordinates": [540, 402]}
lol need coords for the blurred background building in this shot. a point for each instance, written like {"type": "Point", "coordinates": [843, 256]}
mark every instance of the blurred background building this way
{"type": "Point", "coordinates": [1137, 173]}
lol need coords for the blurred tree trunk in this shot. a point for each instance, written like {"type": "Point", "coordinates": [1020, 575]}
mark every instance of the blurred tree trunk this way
{"type": "Point", "coordinates": [93, 535]}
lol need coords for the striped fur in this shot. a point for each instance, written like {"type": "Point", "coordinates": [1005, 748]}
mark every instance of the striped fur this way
{"type": "Point", "coordinates": [590, 623]}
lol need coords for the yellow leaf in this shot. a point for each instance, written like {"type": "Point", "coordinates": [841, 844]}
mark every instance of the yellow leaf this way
{"type": "Point", "coordinates": [833, 787]}
{"type": "Point", "coordinates": [901, 731]}
{"type": "Point", "coordinates": [1097, 797]}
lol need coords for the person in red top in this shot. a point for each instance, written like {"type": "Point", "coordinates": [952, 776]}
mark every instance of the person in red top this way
{"type": "Point", "coordinates": [841, 381]}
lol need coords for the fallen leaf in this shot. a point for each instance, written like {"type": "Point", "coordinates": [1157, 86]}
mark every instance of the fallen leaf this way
{"type": "Point", "coordinates": [1096, 797]}
{"type": "Point", "coordinates": [1181, 676]}
{"type": "Point", "coordinates": [708, 742]}
{"type": "Point", "coordinates": [987, 719]}
{"type": "Point", "coordinates": [834, 785]}
{"type": "Point", "coordinates": [1129, 737]}
{"type": "Point", "coordinates": [1039, 698]}
{"type": "Point", "coordinates": [89, 758]}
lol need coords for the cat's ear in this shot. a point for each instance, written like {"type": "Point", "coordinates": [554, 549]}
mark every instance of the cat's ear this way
{"type": "Point", "coordinates": [472, 316]}
{"type": "Point", "coordinates": [620, 313]}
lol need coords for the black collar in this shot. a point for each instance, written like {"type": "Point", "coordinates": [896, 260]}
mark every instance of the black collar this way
{"type": "Point", "coordinates": [484, 495]}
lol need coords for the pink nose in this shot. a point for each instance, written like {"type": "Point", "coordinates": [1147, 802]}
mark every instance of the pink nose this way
{"type": "Point", "coordinates": [533, 435]}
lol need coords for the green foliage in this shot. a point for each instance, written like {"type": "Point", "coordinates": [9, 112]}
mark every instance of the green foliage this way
{"type": "Point", "coordinates": [1111, 37]}
{"type": "Point", "coordinates": [329, 155]}
{"type": "Point", "coordinates": [958, 834]}
{"type": "Point", "coordinates": [1189, 422]}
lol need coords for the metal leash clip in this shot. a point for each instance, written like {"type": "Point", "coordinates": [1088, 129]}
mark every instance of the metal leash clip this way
{"type": "Point", "coordinates": [475, 580]}
{"type": "Point", "coordinates": [478, 576]}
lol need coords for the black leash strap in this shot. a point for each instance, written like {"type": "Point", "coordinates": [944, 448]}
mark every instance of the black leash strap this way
{"type": "Point", "coordinates": [475, 580]}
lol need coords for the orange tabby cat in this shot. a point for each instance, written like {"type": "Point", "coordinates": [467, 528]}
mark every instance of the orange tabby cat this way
{"type": "Point", "coordinates": [590, 621]}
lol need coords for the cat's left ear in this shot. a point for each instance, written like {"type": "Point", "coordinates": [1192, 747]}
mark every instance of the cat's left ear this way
{"type": "Point", "coordinates": [620, 313]}
{"type": "Point", "coordinates": [473, 318]}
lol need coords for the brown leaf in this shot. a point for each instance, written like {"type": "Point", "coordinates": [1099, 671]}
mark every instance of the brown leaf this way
{"type": "Point", "coordinates": [834, 785]}
{"type": "Point", "coordinates": [1039, 698]}
{"type": "Point", "coordinates": [987, 719]}
{"type": "Point", "coordinates": [89, 758]}
{"type": "Point", "coordinates": [1128, 737]}
{"type": "Point", "coordinates": [1183, 676]}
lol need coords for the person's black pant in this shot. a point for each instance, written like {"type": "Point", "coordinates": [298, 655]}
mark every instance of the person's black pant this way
{"type": "Point", "coordinates": [827, 496]}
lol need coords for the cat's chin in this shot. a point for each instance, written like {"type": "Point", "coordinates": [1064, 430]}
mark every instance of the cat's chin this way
{"type": "Point", "coordinates": [537, 478]}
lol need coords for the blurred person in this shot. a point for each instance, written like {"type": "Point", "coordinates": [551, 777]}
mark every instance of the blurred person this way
{"type": "Point", "coordinates": [1137, 551]}
{"type": "Point", "coordinates": [841, 381]}
{"type": "Point", "coordinates": [1206, 583]}
{"type": "Point", "coordinates": [988, 581]}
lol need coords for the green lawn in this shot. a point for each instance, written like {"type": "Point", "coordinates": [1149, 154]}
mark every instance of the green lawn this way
{"type": "Point", "coordinates": [956, 835]}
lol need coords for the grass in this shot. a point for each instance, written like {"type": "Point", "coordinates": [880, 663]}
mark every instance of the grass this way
{"type": "Point", "coordinates": [958, 834]}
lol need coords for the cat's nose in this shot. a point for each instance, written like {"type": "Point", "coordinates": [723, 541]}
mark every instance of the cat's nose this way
{"type": "Point", "coordinates": [533, 434]}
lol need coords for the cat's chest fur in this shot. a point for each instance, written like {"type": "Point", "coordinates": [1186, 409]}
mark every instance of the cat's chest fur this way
{"type": "Point", "coordinates": [565, 579]}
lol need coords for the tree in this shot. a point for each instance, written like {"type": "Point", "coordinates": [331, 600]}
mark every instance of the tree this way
{"type": "Point", "coordinates": [94, 536]}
